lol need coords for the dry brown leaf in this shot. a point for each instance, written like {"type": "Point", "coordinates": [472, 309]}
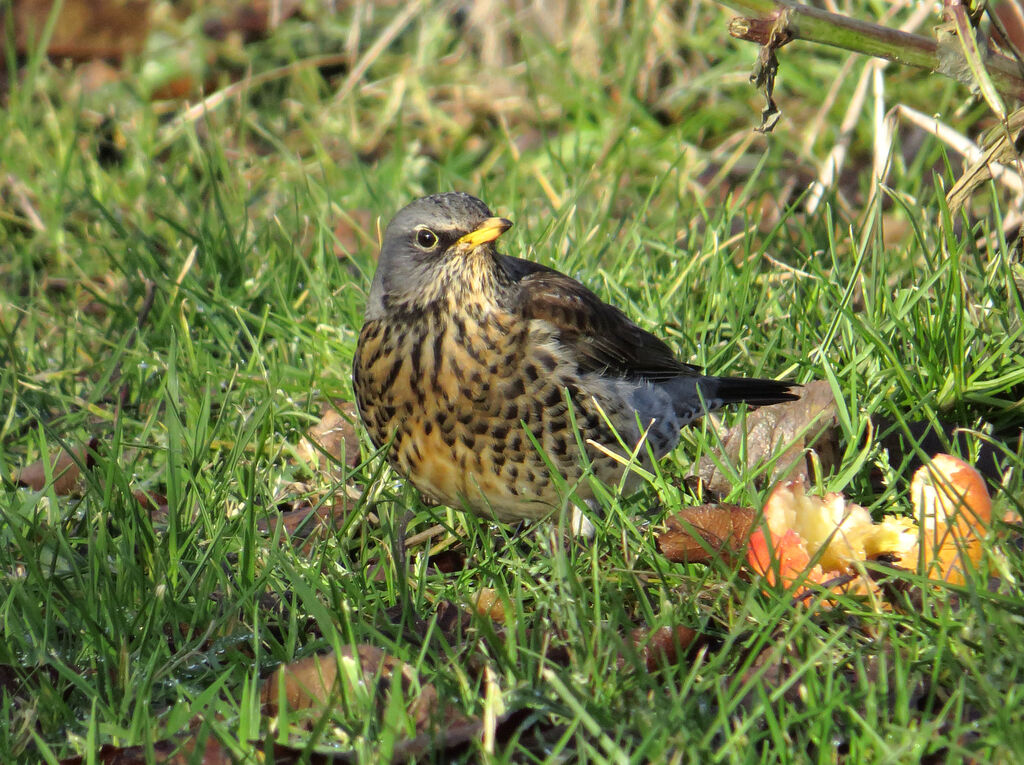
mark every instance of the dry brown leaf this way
{"type": "Point", "coordinates": [793, 428]}
{"type": "Point", "coordinates": [724, 530]}
{"type": "Point", "coordinates": [84, 29]}
{"type": "Point", "coordinates": [152, 502]}
{"type": "Point", "coordinates": [64, 467]}
{"type": "Point", "coordinates": [664, 645]}
{"type": "Point", "coordinates": [308, 520]}
{"type": "Point", "coordinates": [314, 684]}
{"type": "Point", "coordinates": [333, 440]}
{"type": "Point", "coordinates": [425, 747]}
{"type": "Point", "coordinates": [176, 751]}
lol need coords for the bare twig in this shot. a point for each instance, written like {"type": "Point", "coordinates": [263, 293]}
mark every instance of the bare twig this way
{"type": "Point", "coordinates": [815, 25]}
{"type": "Point", "coordinates": [959, 143]}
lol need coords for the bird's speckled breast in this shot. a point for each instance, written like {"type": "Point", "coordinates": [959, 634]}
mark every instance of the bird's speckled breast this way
{"type": "Point", "coordinates": [454, 390]}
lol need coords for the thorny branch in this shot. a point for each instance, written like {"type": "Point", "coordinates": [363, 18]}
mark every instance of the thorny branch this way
{"type": "Point", "coordinates": [773, 23]}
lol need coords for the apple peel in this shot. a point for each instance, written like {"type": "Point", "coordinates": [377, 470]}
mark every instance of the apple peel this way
{"type": "Point", "coordinates": [952, 512]}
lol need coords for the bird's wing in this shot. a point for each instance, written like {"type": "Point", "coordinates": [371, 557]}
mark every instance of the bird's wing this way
{"type": "Point", "coordinates": [602, 338]}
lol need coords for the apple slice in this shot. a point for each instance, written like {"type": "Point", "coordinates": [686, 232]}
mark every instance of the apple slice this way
{"type": "Point", "coordinates": [952, 511]}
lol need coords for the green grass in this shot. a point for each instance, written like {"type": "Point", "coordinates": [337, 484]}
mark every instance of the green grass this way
{"type": "Point", "coordinates": [627, 161]}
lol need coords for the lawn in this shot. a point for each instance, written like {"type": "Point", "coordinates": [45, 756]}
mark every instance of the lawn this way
{"type": "Point", "coordinates": [180, 295]}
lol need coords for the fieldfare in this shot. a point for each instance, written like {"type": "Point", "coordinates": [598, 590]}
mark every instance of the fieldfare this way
{"type": "Point", "coordinates": [482, 373]}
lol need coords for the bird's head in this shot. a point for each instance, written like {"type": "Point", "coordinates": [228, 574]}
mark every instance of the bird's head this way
{"type": "Point", "coordinates": [435, 247]}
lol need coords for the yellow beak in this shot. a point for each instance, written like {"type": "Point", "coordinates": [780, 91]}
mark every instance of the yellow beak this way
{"type": "Point", "coordinates": [487, 231]}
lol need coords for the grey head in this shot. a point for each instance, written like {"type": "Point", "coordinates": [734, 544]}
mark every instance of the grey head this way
{"type": "Point", "coordinates": [419, 239]}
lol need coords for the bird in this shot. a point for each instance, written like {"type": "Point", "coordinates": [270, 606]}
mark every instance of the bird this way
{"type": "Point", "coordinates": [494, 383]}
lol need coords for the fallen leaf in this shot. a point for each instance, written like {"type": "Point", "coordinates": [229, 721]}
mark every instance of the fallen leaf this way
{"type": "Point", "coordinates": [333, 440]}
{"type": "Point", "coordinates": [152, 502]}
{"type": "Point", "coordinates": [1002, 147]}
{"type": "Point", "coordinates": [794, 428]}
{"type": "Point", "coordinates": [663, 645]}
{"type": "Point", "coordinates": [706, 532]}
{"type": "Point", "coordinates": [95, 75]}
{"type": "Point", "coordinates": [1011, 34]}
{"type": "Point", "coordinates": [64, 467]}
{"type": "Point", "coordinates": [314, 684]}
{"type": "Point", "coordinates": [175, 751]}
{"type": "Point", "coordinates": [83, 29]}
{"type": "Point", "coordinates": [307, 519]}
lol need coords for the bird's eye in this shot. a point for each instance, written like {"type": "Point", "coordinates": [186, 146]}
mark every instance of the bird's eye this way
{"type": "Point", "coordinates": [426, 238]}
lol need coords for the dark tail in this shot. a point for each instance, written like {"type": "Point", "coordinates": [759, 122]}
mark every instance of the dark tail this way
{"type": "Point", "coordinates": [693, 396]}
{"type": "Point", "coordinates": [756, 391]}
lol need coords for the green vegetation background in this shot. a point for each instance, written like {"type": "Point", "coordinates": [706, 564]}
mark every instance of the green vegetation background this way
{"type": "Point", "coordinates": [618, 138]}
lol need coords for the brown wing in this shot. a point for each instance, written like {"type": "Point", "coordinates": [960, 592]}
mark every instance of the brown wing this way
{"type": "Point", "coordinates": [601, 336]}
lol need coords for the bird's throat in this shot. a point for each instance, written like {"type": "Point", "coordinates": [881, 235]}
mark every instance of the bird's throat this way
{"type": "Point", "coordinates": [472, 280]}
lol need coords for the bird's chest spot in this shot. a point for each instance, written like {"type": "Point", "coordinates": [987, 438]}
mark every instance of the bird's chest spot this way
{"type": "Point", "coordinates": [480, 350]}
{"type": "Point", "coordinates": [446, 373]}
